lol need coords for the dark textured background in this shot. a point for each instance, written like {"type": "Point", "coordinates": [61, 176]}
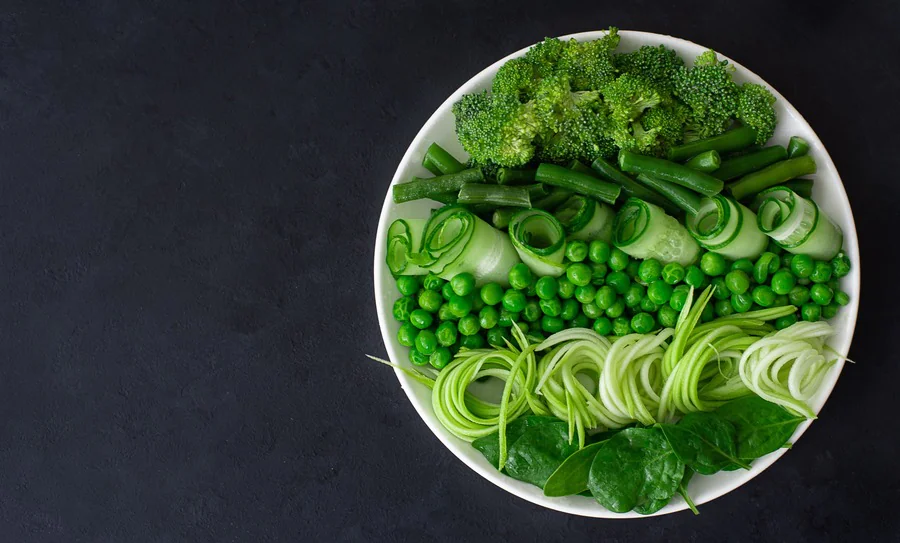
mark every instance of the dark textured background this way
{"type": "Point", "coordinates": [189, 193]}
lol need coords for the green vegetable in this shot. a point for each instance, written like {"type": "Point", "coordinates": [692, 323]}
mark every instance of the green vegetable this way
{"type": "Point", "coordinates": [727, 227]}
{"type": "Point", "coordinates": [670, 171]}
{"type": "Point", "coordinates": [704, 442]}
{"type": "Point", "coordinates": [630, 188]}
{"type": "Point", "coordinates": [426, 342]}
{"type": "Point", "coordinates": [822, 272]}
{"type": "Point", "coordinates": [771, 176]}
{"type": "Point", "coordinates": [539, 452]}
{"type": "Point", "coordinates": [810, 312]}
{"type": "Point", "coordinates": [576, 250]}
{"type": "Point", "coordinates": [551, 307]}
{"type": "Point", "coordinates": [553, 200]}
{"type": "Point", "coordinates": [428, 188]}
{"type": "Point", "coordinates": [741, 302]}
{"type": "Point", "coordinates": [520, 276]}
{"type": "Point", "coordinates": [579, 274]}
{"type": "Point", "coordinates": [403, 307]}
{"type": "Point", "coordinates": [585, 219]}
{"type": "Point", "coordinates": [737, 281]}
{"type": "Point", "coordinates": [430, 301]}
{"type": "Point", "coordinates": [659, 292]}
{"type": "Point", "coordinates": [797, 225]}
{"type": "Point", "coordinates": [407, 285]}
{"type": "Point", "coordinates": [440, 358]}
{"type": "Point", "coordinates": [442, 161]}
{"type": "Point", "coordinates": [571, 477]}
{"type": "Point", "coordinates": [694, 277]}
{"type": "Point", "coordinates": [417, 358]}
{"type": "Point", "coordinates": [603, 326]}
{"type": "Point", "coordinates": [460, 306]}
{"type": "Point", "coordinates": [707, 161]}
{"type": "Point", "coordinates": [406, 334]}
{"type": "Point", "coordinates": [840, 265]}
{"type": "Point", "coordinates": [713, 264]}
{"type": "Point", "coordinates": [713, 97]}
{"type": "Point", "coordinates": [643, 231]}
{"type": "Point", "coordinates": [577, 182]}
{"type": "Point", "coordinates": [547, 288]}
{"type": "Point", "coordinates": [797, 147]}
{"type": "Point", "coordinates": [642, 323]}
{"type": "Point", "coordinates": [618, 281]}
{"type": "Point", "coordinates": [500, 195]}
{"type": "Point", "coordinates": [539, 239]}
{"type": "Point", "coordinates": [404, 237]}
{"type": "Point", "coordinates": [733, 140]}
{"type": "Point", "coordinates": [673, 273]}
{"type": "Point", "coordinates": [491, 293]}
{"type": "Point", "coordinates": [489, 445]}
{"type": "Point", "coordinates": [762, 427]}
{"type": "Point", "coordinates": [513, 301]}
{"type": "Point", "coordinates": [751, 162]}
{"type": "Point", "coordinates": [821, 294]}
{"type": "Point", "coordinates": [682, 198]}
{"type": "Point", "coordinates": [618, 260]}
{"type": "Point", "coordinates": [756, 110]}
{"type": "Point", "coordinates": [512, 176]}
{"type": "Point", "coordinates": [783, 282]}
{"type": "Point", "coordinates": [446, 334]}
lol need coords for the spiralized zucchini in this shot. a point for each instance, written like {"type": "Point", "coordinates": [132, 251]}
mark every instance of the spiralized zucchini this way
{"type": "Point", "coordinates": [540, 240]}
{"type": "Point", "coordinates": [643, 230]}
{"type": "Point", "coordinates": [586, 219]}
{"type": "Point", "coordinates": [797, 224]}
{"type": "Point", "coordinates": [727, 227]}
{"type": "Point", "coordinates": [404, 236]}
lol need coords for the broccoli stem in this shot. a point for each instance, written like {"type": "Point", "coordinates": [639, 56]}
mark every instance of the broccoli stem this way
{"type": "Point", "coordinates": [502, 215]}
{"type": "Point", "coordinates": [744, 164]}
{"type": "Point", "coordinates": [499, 195]}
{"type": "Point", "coordinates": [670, 171]}
{"type": "Point", "coordinates": [513, 176]}
{"type": "Point", "coordinates": [441, 160]}
{"type": "Point", "coordinates": [797, 146]}
{"type": "Point", "coordinates": [556, 197]}
{"type": "Point", "coordinates": [707, 161]}
{"type": "Point", "coordinates": [631, 188]}
{"type": "Point", "coordinates": [578, 182]}
{"type": "Point", "coordinates": [432, 187]}
{"type": "Point", "coordinates": [685, 199]}
{"type": "Point", "coordinates": [732, 140]}
{"type": "Point", "coordinates": [770, 176]}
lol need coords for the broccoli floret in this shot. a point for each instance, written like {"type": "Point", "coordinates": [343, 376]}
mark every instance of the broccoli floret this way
{"type": "Point", "coordinates": [708, 90]}
{"type": "Point", "coordinates": [628, 96]}
{"type": "Point", "coordinates": [756, 109]}
{"type": "Point", "coordinates": [499, 130]}
{"type": "Point", "coordinates": [555, 103]}
{"type": "Point", "coordinates": [516, 80]}
{"type": "Point", "coordinates": [590, 64]}
{"type": "Point", "coordinates": [633, 137]}
{"type": "Point", "coordinates": [545, 55]}
{"type": "Point", "coordinates": [668, 122]}
{"type": "Point", "coordinates": [656, 64]}
{"type": "Point", "coordinates": [580, 137]}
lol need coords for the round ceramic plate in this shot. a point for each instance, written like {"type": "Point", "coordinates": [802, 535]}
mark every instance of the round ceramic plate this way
{"type": "Point", "coordinates": [828, 193]}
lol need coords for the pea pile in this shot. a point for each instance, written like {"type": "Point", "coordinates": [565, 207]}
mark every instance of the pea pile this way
{"type": "Point", "coordinates": [604, 289]}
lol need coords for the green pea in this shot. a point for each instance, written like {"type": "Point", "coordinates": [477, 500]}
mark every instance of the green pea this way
{"type": "Point", "coordinates": [417, 358]}
{"type": "Point", "coordinates": [586, 294]}
{"type": "Point", "coordinates": [741, 302]}
{"type": "Point", "coordinates": [834, 284]}
{"type": "Point", "coordinates": [810, 312]}
{"type": "Point", "coordinates": [446, 333]}
{"type": "Point", "coordinates": [531, 289]}
{"type": "Point", "coordinates": [821, 294]}
{"type": "Point", "coordinates": [566, 287]}
{"type": "Point", "coordinates": [619, 281]}
{"type": "Point", "coordinates": [507, 318]}
{"type": "Point", "coordinates": [580, 321]}
{"type": "Point", "coordinates": [786, 259]}
{"type": "Point", "coordinates": [781, 300]}
{"type": "Point", "coordinates": [659, 292]}
{"type": "Point", "coordinates": [579, 274]}
{"type": "Point", "coordinates": [621, 326]}
{"type": "Point", "coordinates": [605, 298]}
{"type": "Point", "coordinates": [403, 307]}
{"type": "Point", "coordinates": [648, 306]}
{"type": "Point", "coordinates": [830, 310]}
{"type": "Point", "coordinates": [406, 335]}
{"type": "Point", "coordinates": [599, 251]}
{"type": "Point", "coordinates": [513, 301]}
{"type": "Point", "coordinates": [576, 250]}
{"type": "Point", "coordinates": [667, 316]}
{"type": "Point", "coordinates": [440, 358]}
{"type": "Point", "coordinates": [798, 295]}
{"type": "Point", "coordinates": [477, 302]}
{"type": "Point", "coordinates": [723, 308]}
{"type": "Point", "coordinates": [618, 260]}
{"type": "Point", "coordinates": [673, 273]}
{"type": "Point", "coordinates": [783, 322]}
{"type": "Point", "coordinates": [407, 285]}
{"type": "Point", "coordinates": [524, 327]}
{"type": "Point", "coordinates": [783, 281]}
{"type": "Point", "coordinates": [821, 272]}
{"type": "Point", "coordinates": [764, 296]}
{"type": "Point", "coordinates": [551, 307]}
{"type": "Point", "coordinates": [446, 291]}
{"type": "Point", "coordinates": [744, 265]}
{"type": "Point", "coordinates": [445, 313]}
{"type": "Point", "coordinates": [430, 301]}
{"type": "Point", "coordinates": [426, 342]}
{"type": "Point", "coordinates": [598, 274]}
{"type": "Point", "coordinates": [737, 281]}
{"type": "Point", "coordinates": [634, 295]}
{"type": "Point", "coordinates": [463, 284]}
{"type": "Point", "coordinates": [433, 282]}
{"type": "Point", "coordinates": [616, 309]}
{"type": "Point", "coordinates": [804, 281]}
{"type": "Point", "coordinates": [841, 265]}
{"type": "Point", "coordinates": [802, 265]}
{"type": "Point", "coordinates": [694, 277]}
{"type": "Point", "coordinates": [707, 314]}
{"type": "Point", "coordinates": [570, 309]}
{"type": "Point", "coordinates": [488, 317]}
{"type": "Point", "coordinates": [713, 264]}
{"type": "Point", "coordinates": [720, 291]}
{"type": "Point", "coordinates": [461, 305]}
{"type": "Point", "coordinates": [632, 269]}
{"type": "Point", "coordinates": [475, 342]}
{"type": "Point", "coordinates": [679, 297]}
{"type": "Point", "coordinates": [520, 276]}
{"type": "Point", "coordinates": [766, 264]}
{"type": "Point", "coordinates": [841, 297]}
{"type": "Point", "coordinates": [421, 319]}
{"type": "Point", "coordinates": [649, 270]}
{"type": "Point", "coordinates": [602, 326]}
{"type": "Point", "coordinates": [642, 323]}
{"type": "Point", "coordinates": [552, 325]}
{"type": "Point", "coordinates": [532, 311]}
{"type": "Point", "coordinates": [498, 336]}
{"type": "Point", "coordinates": [591, 310]}
{"type": "Point", "coordinates": [546, 288]}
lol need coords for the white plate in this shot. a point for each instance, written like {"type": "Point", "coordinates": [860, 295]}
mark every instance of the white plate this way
{"type": "Point", "coordinates": [828, 193]}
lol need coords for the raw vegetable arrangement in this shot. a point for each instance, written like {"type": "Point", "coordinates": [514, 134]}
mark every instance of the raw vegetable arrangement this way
{"type": "Point", "coordinates": [626, 251]}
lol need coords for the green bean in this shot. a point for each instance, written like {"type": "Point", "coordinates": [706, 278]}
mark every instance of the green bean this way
{"type": "Point", "coordinates": [553, 200]}
{"type": "Point", "coordinates": [429, 188]}
{"type": "Point", "coordinates": [513, 176]}
{"type": "Point", "coordinates": [443, 161]}
{"type": "Point", "coordinates": [670, 171]}
{"type": "Point", "coordinates": [751, 162]}
{"type": "Point", "coordinates": [685, 199]}
{"type": "Point", "coordinates": [732, 140]}
{"type": "Point", "coordinates": [771, 176]}
{"type": "Point", "coordinates": [431, 166]}
{"type": "Point", "coordinates": [501, 217]}
{"type": "Point", "coordinates": [577, 182]}
{"type": "Point", "coordinates": [707, 161]}
{"type": "Point", "coordinates": [797, 146]}
{"type": "Point", "coordinates": [630, 187]}
{"type": "Point", "coordinates": [537, 191]}
{"type": "Point", "coordinates": [802, 186]}
{"type": "Point", "coordinates": [494, 194]}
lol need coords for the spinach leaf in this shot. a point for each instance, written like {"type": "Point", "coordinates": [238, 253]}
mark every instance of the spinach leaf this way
{"type": "Point", "coordinates": [682, 489]}
{"type": "Point", "coordinates": [762, 427]}
{"type": "Point", "coordinates": [539, 452]}
{"type": "Point", "coordinates": [489, 445]}
{"type": "Point", "coordinates": [705, 442]}
{"type": "Point", "coordinates": [635, 468]}
{"type": "Point", "coordinates": [571, 477]}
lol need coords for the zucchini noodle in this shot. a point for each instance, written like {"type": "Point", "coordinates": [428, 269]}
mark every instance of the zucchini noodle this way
{"type": "Point", "coordinates": [540, 240]}
{"type": "Point", "coordinates": [797, 224]}
{"type": "Point", "coordinates": [404, 238]}
{"type": "Point", "coordinates": [727, 227]}
{"type": "Point", "coordinates": [788, 366]}
{"type": "Point", "coordinates": [586, 219]}
{"type": "Point", "coordinates": [643, 230]}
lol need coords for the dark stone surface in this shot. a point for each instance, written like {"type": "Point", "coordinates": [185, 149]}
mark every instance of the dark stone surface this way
{"type": "Point", "coordinates": [189, 193]}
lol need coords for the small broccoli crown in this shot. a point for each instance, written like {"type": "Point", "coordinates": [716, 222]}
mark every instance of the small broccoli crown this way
{"type": "Point", "coordinates": [590, 64]}
{"type": "Point", "coordinates": [656, 64]}
{"type": "Point", "coordinates": [545, 55]}
{"type": "Point", "coordinates": [501, 131]}
{"type": "Point", "coordinates": [555, 103]}
{"type": "Point", "coordinates": [633, 137]}
{"type": "Point", "coordinates": [668, 122]}
{"type": "Point", "coordinates": [628, 96]}
{"type": "Point", "coordinates": [580, 138]}
{"type": "Point", "coordinates": [515, 79]}
{"type": "Point", "coordinates": [708, 90]}
{"type": "Point", "coordinates": [756, 109]}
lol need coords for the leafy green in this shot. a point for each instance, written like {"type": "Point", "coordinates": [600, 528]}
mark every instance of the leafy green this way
{"type": "Point", "coordinates": [682, 489]}
{"type": "Point", "coordinates": [705, 442]}
{"type": "Point", "coordinates": [571, 477]}
{"type": "Point", "coordinates": [635, 468]}
{"type": "Point", "coordinates": [762, 427]}
{"type": "Point", "coordinates": [540, 450]}
{"type": "Point", "coordinates": [489, 445]}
